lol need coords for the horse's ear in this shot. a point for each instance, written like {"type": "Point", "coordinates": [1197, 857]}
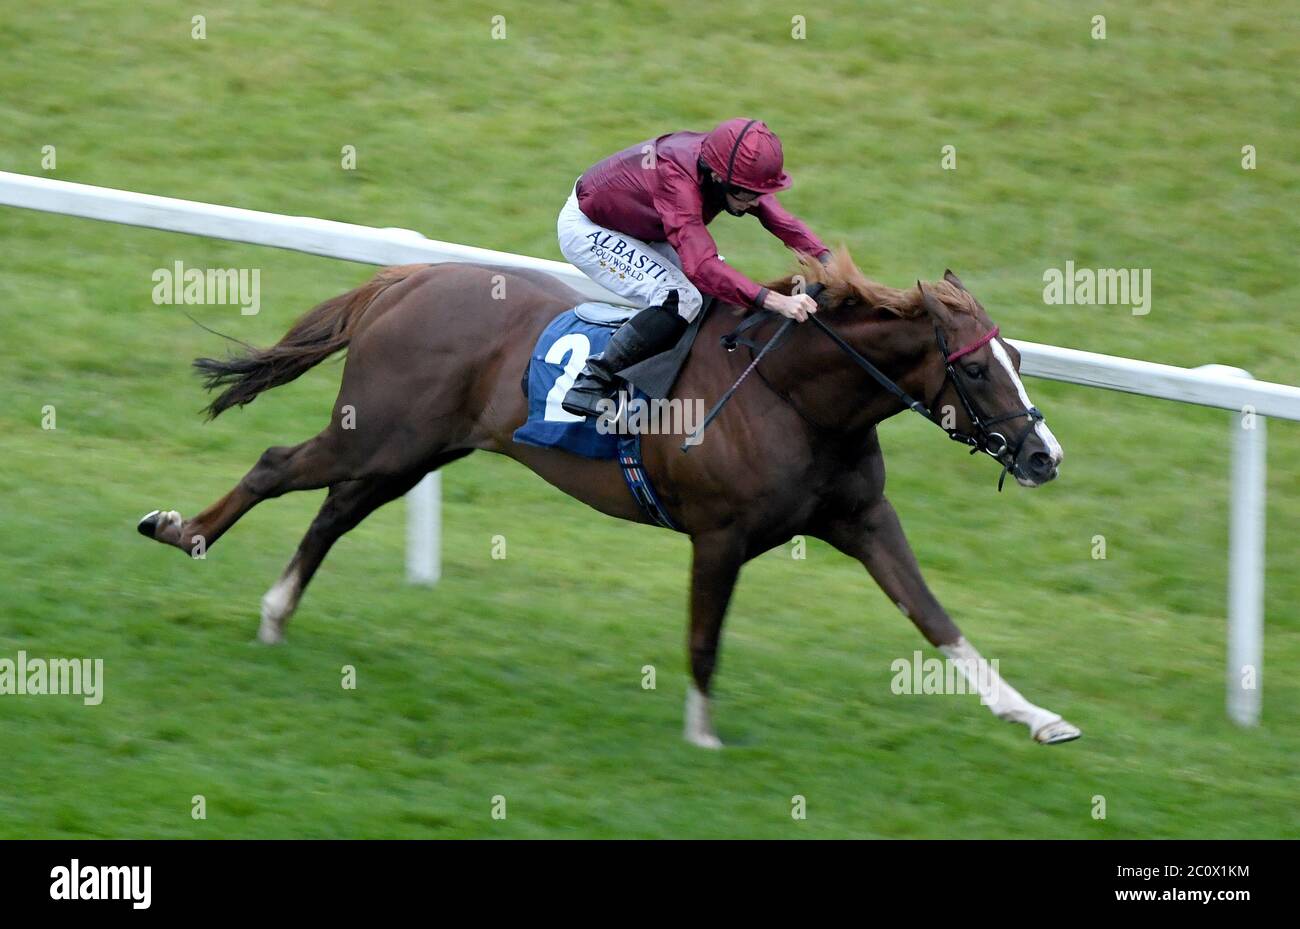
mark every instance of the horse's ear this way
{"type": "Point", "coordinates": [954, 280]}
{"type": "Point", "coordinates": [933, 305]}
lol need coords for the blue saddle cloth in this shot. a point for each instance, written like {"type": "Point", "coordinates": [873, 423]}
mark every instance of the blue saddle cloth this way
{"type": "Point", "coordinates": [560, 354]}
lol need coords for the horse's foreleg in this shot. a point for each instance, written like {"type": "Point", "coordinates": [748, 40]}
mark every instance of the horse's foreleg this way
{"type": "Point", "coordinates": [875, 537]}
{"type": "Point", "coordinates": [715, 564]}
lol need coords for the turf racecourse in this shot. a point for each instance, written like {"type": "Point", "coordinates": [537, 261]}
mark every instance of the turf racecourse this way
{"type": "Point", "coordinates": [521, 677]}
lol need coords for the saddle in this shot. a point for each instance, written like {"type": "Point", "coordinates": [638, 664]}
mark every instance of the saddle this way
{"type": "Point", "coordinates": [655, 376]}
{"type": "Point", "coordinates": [561, 350]}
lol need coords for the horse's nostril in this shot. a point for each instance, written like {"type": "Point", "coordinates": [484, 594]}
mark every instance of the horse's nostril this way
{"type": "Point", "coordinates": [1040, 463]}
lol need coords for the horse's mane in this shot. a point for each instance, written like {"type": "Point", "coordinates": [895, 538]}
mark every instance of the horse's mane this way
{"type": "Point", "coordinates": [846, 286]}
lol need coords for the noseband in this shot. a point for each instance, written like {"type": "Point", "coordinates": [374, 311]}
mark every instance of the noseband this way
{"type": "Point", "coordinates": [982, 438]}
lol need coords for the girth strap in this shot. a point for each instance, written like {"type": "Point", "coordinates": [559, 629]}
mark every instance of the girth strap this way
{"type": "Point", "coordinates": [638, 482]}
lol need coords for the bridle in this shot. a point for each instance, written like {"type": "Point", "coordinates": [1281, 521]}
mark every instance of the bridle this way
{"type": "Point", "coordinates": [981, 438]}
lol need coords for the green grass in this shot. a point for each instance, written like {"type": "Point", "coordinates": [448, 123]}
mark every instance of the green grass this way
{"type": "Point", "coordinates": [521, 677]}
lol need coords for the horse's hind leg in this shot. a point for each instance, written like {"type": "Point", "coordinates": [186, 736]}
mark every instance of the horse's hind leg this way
{"type": "Point", "coordinates": [310, 465]}
{"type": "Point", "coordinates": [347, 504]}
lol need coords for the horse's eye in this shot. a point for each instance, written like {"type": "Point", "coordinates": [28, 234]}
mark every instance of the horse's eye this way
{"type": "Point", "coordinates": [975, 372]}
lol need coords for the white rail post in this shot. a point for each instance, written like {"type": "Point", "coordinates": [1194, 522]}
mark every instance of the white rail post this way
{"type": "Point", "coordinates": [1246, 562]}
{"type": "Point", "coordinates": [424, 531]}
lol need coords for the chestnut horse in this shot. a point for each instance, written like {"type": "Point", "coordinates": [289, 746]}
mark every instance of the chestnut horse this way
{"type": "Point", "coordinates": [433, 369]}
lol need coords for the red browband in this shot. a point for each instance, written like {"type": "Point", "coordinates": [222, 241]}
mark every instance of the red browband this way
{"type": "Point", "coordinates": [978, 343]}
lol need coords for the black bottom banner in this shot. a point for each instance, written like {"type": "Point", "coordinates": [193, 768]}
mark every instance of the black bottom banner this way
{"type": "Point", "coordinates": [330, 878]}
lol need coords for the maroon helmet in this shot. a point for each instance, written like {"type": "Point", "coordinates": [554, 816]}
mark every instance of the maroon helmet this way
{"type": "Point", "coordinates": [745, 153]}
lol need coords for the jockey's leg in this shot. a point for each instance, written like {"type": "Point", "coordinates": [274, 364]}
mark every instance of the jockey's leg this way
{"type": "Point", "coordinates": [641, 273]}
{"type": "Point", "coordinates": [653, 330]}
{"type": "Point", "coordinates": [647, 275]}
{"type": "Point", "coordinates": [691, 299]}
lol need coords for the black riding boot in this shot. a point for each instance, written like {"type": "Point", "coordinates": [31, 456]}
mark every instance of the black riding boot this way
{"type": "Point", "coordinates": [653, 330]}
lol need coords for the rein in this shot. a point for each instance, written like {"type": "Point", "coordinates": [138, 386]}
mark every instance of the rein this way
{"type": "Point", "coordinates": [981, 439]}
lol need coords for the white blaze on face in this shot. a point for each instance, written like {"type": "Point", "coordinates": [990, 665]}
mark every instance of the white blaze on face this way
{"type": "Point", "coordinates": [1049, 440]}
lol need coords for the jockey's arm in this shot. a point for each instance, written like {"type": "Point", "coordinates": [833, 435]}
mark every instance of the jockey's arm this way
{"type": "Point", "coordinates": [680, 209]}
{"type": "Point", "coordinates": [787, 227]}
{"type": "Point", "coordinates": [679, 205]}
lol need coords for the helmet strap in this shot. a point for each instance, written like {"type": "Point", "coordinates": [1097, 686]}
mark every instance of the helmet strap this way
{"type": "Point", "coordinates": [731, 160]}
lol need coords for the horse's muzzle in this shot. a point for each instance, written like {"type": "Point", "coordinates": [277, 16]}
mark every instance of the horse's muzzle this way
{"type": "Point", "coordinates": [1040, 468]}
{"type": "Point", "coordinates": [1039, 459]}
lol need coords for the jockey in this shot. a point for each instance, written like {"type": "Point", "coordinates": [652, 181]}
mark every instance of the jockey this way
{"type": "Point", "coordinates": [635, 224]}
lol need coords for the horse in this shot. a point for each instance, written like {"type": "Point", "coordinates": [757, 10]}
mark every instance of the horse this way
{"type": "Point", "coordinates": [432, 374]}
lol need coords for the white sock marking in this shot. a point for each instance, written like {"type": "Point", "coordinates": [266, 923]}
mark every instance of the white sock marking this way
{"type": "Point", "coordinates": [699, 725]}
{"type": "Point", "coordinates": [278, 604]}
{"type": "Point", "coordinates": [1000, 697]}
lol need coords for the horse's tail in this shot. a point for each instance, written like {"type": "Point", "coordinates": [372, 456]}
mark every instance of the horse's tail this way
{"type": "Point", "coordinates": [322, 331]}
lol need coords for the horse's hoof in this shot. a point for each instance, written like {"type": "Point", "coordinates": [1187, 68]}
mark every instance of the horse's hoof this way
{"type": "Point", "coordinates": [1055, 733]}
{"type": "Point", "coordinates": [147, 525]}
{"type": "Point", "coordinates": [705, 740]}
{"type": "Point", "coordinates": [269, 634]}
{"type": "Point", "coordinates": [157, 524]}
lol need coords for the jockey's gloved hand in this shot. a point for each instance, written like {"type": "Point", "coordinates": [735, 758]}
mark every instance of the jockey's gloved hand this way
{"type": "Point", "coordinates": [794, 306]}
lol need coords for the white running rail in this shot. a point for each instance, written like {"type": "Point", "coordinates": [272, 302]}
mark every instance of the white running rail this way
{"type": "Point", "coordinates": [1212, 385]}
